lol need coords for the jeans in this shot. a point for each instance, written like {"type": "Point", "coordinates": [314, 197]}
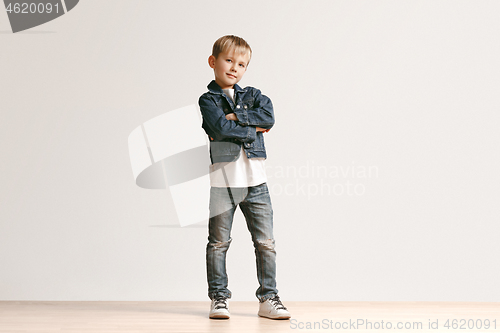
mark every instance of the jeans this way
{"type": "Point", "coordinates": [255, 204]}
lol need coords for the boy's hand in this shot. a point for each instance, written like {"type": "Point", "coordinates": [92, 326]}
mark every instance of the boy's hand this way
{"type": "Point", "coordinates": [231, 116]}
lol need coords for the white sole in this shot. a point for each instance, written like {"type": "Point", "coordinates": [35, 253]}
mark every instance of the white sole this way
{"type": "Point", "coordinates": [277, 317]}
{"type": "Point", "coordinates": [219, 316]}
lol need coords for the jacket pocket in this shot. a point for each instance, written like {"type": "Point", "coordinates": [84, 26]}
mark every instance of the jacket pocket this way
{"type": "Point", "coordinates": [221, 148]}
{"type": "Point", "coordinates": [248, 102]}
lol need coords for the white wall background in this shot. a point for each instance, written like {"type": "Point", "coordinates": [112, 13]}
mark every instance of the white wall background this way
{"type": "Point", "coordinates": [409, 88]}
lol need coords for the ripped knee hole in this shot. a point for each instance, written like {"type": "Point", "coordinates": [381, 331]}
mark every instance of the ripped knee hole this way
{"type": "Point", "coordinates": [265, 244]}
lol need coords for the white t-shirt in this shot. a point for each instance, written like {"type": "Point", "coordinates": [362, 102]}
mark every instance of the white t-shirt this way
{"type": "Point", "coordinates": [243, 172]}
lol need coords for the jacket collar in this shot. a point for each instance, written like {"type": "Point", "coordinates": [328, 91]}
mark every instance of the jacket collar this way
{"type": "Point", "coordinates": [215, 88]}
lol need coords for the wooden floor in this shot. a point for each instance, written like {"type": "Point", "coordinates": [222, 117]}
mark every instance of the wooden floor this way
{"type": "Point", "coordinates": [110, 317]}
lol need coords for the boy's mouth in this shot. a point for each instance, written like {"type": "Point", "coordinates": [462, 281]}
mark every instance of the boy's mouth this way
{"type": "Point", "coordinates": [231, 76]}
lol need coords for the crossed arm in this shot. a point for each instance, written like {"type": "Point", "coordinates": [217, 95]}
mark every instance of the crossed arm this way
{"type": "Point", "coordinates": [232, 116]}
{"type": "Point", "coordinates": [240, 124]}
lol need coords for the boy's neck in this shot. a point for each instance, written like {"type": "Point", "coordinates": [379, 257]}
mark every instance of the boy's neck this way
{"type": "Point", "coordinates": [221, 86]}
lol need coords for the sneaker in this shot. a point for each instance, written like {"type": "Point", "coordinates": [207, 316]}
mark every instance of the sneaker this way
{"type": "Point", "coordinates": [274, 309]}
{"type": "Point", "coordinates": [219, 308]}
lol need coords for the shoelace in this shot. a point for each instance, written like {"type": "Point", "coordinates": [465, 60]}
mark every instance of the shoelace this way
{"type": "Point", "coordinates": [218, 301]}
{"type": "Point", "coordinates": [277, 303]}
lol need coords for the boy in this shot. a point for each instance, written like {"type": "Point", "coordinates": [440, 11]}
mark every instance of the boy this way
{"type": "Point", "coordinates": [235, 120]}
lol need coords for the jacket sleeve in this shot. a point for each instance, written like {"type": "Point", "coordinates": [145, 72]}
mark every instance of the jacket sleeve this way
{"type": "Point", "coordinates": [260, 114]}
{"type": "Point", "coordinates": [215, 119]}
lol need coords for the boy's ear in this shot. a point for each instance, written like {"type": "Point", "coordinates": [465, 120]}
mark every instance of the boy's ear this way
{"type": "Point", "coordinates": [211, 61]}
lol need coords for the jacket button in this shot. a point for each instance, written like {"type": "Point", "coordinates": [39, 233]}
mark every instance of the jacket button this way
{"type": "Point", "coordinates": [238, 106]}
{"type": "Point", "coordinates": [244, 106]}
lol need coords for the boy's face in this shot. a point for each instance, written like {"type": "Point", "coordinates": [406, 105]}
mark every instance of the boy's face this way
{"type": "Point", "coordinates": [229, 68]}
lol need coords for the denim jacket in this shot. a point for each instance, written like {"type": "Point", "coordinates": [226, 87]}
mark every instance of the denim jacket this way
{"type": "Point", "coordinates": [252, 109]}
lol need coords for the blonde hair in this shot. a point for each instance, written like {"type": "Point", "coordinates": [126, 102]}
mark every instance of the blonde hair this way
{"type": "Point", "coordinates": [230, 42]}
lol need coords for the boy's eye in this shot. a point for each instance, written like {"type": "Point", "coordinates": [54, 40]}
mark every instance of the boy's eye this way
{"type": "Point", "coordinates": [241, 65]}
{"type": "Point", "coordinates": [228, 60]}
